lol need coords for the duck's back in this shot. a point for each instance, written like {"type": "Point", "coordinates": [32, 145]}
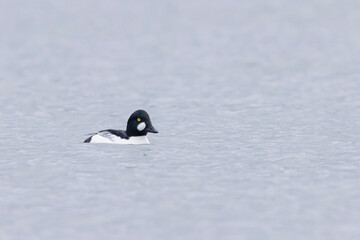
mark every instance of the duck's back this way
{"type": "Point", "coordinates": [117, 137]}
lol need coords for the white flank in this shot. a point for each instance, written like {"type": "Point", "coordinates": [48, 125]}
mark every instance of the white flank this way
{"type": "Point", "coordinates": [100, 139]}
{"type": "Point", "coordinates": [141, 126]}
{"type": "Point", "coordinates": [117, 140]}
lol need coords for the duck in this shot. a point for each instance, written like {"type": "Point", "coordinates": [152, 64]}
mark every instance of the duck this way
{"type": "Point", "coordinates": [138, 126]}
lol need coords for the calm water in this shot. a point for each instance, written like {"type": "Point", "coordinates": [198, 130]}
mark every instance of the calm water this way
{"type": "Point", "coordinates": [257, 104]}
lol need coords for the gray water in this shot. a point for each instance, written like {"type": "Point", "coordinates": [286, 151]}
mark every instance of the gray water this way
{"type": "Point", "coordinates": [257, 104]}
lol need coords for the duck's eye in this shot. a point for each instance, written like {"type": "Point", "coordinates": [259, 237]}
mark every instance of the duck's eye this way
{"type": "Point", "coordinates": [139, 119]}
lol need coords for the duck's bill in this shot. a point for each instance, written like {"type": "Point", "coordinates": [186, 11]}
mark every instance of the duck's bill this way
{"type": "Point", "coordinates": [151, 129]}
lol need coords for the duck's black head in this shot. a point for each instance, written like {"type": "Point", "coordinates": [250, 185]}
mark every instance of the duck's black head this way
{"type": "Point", "coordinates": [139, 124]}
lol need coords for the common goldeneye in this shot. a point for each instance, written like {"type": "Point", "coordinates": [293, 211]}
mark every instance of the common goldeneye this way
{"type": "Point", "coordinates": [138, 125]}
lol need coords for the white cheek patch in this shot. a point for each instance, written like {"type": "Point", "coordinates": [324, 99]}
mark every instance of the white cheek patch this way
{"type": "Point", "coordinates": [141, 126]}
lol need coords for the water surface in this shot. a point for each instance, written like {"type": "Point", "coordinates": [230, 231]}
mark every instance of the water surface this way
{"type": "Point", "coordinates": [257, 105]}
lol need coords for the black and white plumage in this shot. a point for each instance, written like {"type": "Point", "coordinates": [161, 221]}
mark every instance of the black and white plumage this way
{"type": "Point", "coordinates": [138, 125]}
